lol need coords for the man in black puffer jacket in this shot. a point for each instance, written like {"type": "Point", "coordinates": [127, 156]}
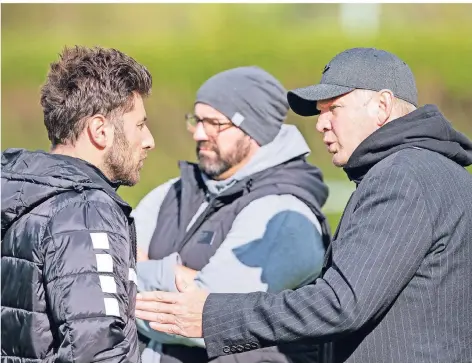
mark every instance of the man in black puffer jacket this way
{"type": "Point", "coordinates": [68, 241]}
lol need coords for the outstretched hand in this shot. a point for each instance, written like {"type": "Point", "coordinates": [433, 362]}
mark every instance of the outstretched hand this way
{"type": "Point", "coordinates": [174, 312]}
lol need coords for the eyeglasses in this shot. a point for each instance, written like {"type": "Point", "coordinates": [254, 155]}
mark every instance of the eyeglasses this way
{"type": "Point", "coordinates": [212, 127]}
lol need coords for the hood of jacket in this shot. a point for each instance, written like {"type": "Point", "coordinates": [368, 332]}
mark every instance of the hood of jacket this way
{"type": "Point", "coordinates": [424, 128]}
{"type": "Point", "coordinates": [31, 177]}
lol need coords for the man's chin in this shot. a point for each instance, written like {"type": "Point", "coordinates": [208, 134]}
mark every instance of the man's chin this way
{"type": "Point", "coordinates": [337, 161]}
{"type": "Point", "coordinates": [131, 181]}
{"type": "Point", "coordinates": [211, 171]}
{"type": "Point", "coordinates": [128, 183]}
{"type": "Point", "coordinates": [206, 162]}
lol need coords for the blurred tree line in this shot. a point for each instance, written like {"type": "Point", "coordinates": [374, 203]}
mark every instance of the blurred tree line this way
{"type": "Point", "coordinates": [184, 44]}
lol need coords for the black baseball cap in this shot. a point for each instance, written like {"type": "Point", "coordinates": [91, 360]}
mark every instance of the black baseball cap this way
{"type": "Point", "coordinates": [357, 68]}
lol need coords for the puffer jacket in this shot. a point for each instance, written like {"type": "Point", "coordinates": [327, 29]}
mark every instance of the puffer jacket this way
{"type": "Point", "coordinates": [68, 263]}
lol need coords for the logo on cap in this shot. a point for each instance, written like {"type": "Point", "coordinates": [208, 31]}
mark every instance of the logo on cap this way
{"type": "Point", "coordinates": [325, 68]}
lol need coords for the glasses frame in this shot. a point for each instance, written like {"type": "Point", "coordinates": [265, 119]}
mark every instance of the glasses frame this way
{"type": "Point", "coordinates": [212, 127]}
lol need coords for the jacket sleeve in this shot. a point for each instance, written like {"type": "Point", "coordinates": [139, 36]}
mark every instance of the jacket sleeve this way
{"type": "Point", "coordinates": [274, 244]}
{"type": "Point", "coordinates": [383, 245]}
{"type": "Point", "coordinates": [87, 272]}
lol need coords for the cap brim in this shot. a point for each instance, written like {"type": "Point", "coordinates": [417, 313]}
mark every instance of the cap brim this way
{"type": "Point", "coordinates": [303, 100]}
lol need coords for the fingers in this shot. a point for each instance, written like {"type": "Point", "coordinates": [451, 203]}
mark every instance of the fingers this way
{"type": "Point", "coordinates": [154, 317]}
{"type": "Point", "coordinates": [159, 296]}
{"type": "Point", "coordinates": [156, 307]}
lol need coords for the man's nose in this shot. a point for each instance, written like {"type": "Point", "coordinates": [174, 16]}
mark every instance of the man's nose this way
{"type": "Point", "coordinates": [148, 141]}
{"type": "Point", "coordinates": [200, 134]}
{"type": "Point", "coordinates": [323, 124]}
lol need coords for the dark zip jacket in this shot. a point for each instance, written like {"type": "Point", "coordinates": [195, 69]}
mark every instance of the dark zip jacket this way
{"type": "Point", "coordinates": [397, 285]}
{"type": "Point", "coordinates": [68, 263]}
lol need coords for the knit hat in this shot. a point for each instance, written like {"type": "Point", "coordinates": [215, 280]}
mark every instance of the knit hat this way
{"type": "Point", "coordinates": [251, 98]}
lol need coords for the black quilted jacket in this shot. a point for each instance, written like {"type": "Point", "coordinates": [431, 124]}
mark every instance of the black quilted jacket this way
{"type": "Point", "coordinates": [68, 263]}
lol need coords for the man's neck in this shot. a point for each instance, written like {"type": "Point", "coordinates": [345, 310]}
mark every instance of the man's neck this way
{"type": "Point", "coordinates": [66, 150]}
{"type": "Point", "coordinates": [229, 173]}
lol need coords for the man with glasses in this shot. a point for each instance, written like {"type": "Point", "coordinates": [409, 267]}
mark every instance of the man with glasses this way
{"type": "Point", "coordinates": [397, 282]}
{"type": "Point", "coordinates": [246, 218]}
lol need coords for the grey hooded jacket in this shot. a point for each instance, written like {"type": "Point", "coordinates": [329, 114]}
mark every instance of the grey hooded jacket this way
{"type": "Point", "coordinates": [274, 242]}
{"type": "Point", "coordinates": [68, 263]}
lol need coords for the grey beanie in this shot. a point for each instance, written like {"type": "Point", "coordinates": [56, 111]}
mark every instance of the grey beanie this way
{"type": "Point", "coordinates": [251, 98]}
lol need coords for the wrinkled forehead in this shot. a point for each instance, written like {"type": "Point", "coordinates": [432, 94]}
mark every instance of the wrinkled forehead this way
{"type": "Point", "coordinates": [323, 104]}
{"type": "Point", "coordinates": [327, 102]}
{"type": "Point", "coordinates": [347, 98]}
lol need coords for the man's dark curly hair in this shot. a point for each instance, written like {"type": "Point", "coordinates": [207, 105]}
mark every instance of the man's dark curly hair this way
{"type": "Point", "coordinates": [89, 81]}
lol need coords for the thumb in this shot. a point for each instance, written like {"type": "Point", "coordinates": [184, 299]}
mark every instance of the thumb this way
{"type": "Point", "coordinates": [183, 285]}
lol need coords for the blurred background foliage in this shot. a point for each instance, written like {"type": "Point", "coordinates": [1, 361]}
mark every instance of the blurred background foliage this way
{"type": "Point", "coordinates": [184, 44]}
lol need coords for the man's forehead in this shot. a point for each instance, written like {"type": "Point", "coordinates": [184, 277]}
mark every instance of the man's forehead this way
{"type": "Point", "coordinates": [204, 110]}
{"type": "Point", "coordinates": [327, 102]}
{"type": "Point", "coordinates": [137, 111]}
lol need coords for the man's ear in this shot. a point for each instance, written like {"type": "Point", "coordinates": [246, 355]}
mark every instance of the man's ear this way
{"type": "Point", "coordinates": [100, 131]}
{"type": "Point", "coordinates": [386, 101]}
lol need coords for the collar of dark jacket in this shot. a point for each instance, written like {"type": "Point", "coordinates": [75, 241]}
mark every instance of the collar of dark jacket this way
{"type": "Point", "coordinates": [100, 179]}
{"type": "Point", "coordinates": [424, 128]}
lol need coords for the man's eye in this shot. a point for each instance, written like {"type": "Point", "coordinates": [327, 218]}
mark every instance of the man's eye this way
{"type": "Point", "coordinates": [140, 126]}
{"type": "Point", "coordinates": [333, 107]}
{"type": "Point", "coordinates": [212, 122]}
